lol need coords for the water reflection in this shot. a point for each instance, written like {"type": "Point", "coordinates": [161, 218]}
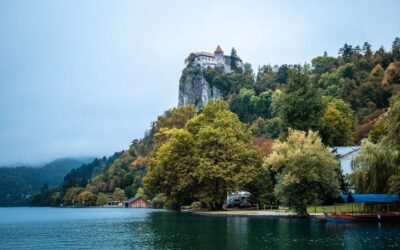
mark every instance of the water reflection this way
{"type": "Point", "coordinates": [185, 231]}
{"type": "Point", "coordinates": [159, 229]}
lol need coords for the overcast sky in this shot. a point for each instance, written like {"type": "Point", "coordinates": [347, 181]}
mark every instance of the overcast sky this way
{"type": "Point", "coordinates": [84, 78]}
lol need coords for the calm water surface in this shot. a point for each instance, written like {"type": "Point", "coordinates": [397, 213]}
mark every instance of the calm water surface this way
{"type": "Point", "coordinates": [114, 228]}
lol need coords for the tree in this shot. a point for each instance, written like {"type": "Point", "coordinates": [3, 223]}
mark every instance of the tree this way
{"type": "Point", "coordinates": [101, 199]}
{"type": "Point", "coordinates": [266, 79]}
{"type": "Point", "coordinates": [140, 193]}
{"type": "Point", "coordinates": [338, 123]}
{"type": "Point", "coordinates": [119, 194]}
{"type": "Point", "coordinates": [72, 195]}
{"type": "Point", "coordinates": [392, 74]}
{"type": "Point", "coordinates": [277, 101]}
{"type": "Point", "coordinates": [393, 119]}
{"type": "Point", "coordinates": [330, 83]}
{"type": "Point", "coordinates": [87, 198]}
{"type": "Point", "coordinates": [376, 167]}
{"type": "Point", "coordinates": [159, 201]}
{"type": "Point", "coordinates": [174, 118]}
{"type": "Point", "coordinates": [282, 75]}
{"type": "Point", "coordinates": [306, 170]}
{"type": "Point", "coordinates": [210, 156]}
{"type": "Point", "coordinates": [302, 104]}
{"type": "Point", "coordinates": [367, 51]}
{"type": "Point", "coordinates": [171, 168]}
{"type": "Point", "coordinates": [346, 52]}
{"type": "Point", "coordinates": [373, 167]}
{"type": "Point", "coordinates": [234, 59]}
{"type": "Point", "coordinates": [323, 64]}
{"type": "Point", "coordinates": [248, 106]}
{"type": "Point", "coordinates": [396, 49]}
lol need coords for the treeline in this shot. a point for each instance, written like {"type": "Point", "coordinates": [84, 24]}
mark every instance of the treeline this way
{"type": "Point", "coordinates": [190, 157]}
{"type": "Point", "coordinates": [18, 184]}
{"type": "Point", "coordinates": [347, 90]}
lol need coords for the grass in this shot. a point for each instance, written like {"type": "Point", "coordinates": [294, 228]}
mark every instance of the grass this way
{"type": "Point", "coordinates": [235, 212]}
{"type": "Point", "coordinates": [339, 208]}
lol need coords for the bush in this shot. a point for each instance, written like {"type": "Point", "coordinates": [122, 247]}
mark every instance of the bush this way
{"type": "Point", "coordinates": [160, 201]}
{"type": "Point", "coordinates": [195, 205]}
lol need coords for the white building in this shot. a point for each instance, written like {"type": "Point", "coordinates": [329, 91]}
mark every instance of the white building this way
{"type": "Point", "coordinates": [345, 155]}
{"type": "Point", "coordinates": [216, 60]}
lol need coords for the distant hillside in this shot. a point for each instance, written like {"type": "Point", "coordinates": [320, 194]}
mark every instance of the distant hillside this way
{"type": "Point", "coordinates": [17, 184]}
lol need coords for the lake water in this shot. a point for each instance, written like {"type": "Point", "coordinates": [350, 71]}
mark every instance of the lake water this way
{"type": "Point", "coordinates": [114, 228]}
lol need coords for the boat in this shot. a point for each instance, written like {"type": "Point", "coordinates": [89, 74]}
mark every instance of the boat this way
{"type": "Point", "coordinates": [362, 217]}
{"type": "Point", "coordinates": [377, 208]}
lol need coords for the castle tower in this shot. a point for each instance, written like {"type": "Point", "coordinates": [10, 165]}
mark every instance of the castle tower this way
{"type": "Point", "coordinates": [219, 55]}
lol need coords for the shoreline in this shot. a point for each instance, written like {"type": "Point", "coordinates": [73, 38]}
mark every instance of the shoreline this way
{"type": "Point", "coordinates": [252, 213]}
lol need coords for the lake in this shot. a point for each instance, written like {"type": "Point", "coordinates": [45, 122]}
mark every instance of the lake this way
{"type": "Point", "coordinates": [118, 228]}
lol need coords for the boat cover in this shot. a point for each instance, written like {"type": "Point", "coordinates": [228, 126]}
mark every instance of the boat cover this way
{"type": "Point", "coordinates": [368, 198]}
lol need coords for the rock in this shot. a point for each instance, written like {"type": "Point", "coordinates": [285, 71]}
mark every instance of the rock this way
{"type": "Point", "coordinates": [194, 89]}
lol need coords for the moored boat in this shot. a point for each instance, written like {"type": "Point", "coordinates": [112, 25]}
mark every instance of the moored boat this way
{"type": "Point", "coordinates": [375, 208]}
{"type": "Point", "coordinates": [362, 217]}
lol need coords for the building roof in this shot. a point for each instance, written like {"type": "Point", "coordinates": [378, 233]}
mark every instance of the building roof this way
{"type": "Point", "coordinates": [368, 198]}
{"type": "Point", "coordinates": [133, 199]}
{"type": "Point", "coordinates": [342, 151]}
{"type": "Point", "coordinates": [205, 54]}
{"type": "Point", "coordinates": [218, 50]}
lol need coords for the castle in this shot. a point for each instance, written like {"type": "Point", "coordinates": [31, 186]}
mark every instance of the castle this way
{"type": "Point", "coordinates": [217, 60]}
{"type": "Point", "coordinates": [193, 87]}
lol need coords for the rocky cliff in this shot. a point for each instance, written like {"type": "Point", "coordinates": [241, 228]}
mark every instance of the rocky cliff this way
{"type": "Point", "coordinates": [194, 89]}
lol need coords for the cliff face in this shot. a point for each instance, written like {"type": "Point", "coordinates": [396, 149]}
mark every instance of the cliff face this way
{"type": "Point", "coordinates": [194, 89]}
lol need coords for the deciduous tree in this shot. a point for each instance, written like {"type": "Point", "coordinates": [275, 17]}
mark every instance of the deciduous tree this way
{"type": "Point", "coordinates": [306, 170]}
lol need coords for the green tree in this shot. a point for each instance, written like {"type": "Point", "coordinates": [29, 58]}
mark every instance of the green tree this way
{"type": "Point", "coordinates": [302, 103]}
{"type": "Point", "coordinates": [367, 51]}
{"type": "Point", "coordinates": [393, 119]}
{"type": "Point", "coordinates": [396, 49]}
{"type": "Point", "coordinates": [101, 199]}
{"type": "Point", "coordinates": [373, 167]}
{"type": "Point", "coordinates": [72, 196]}
{"type": "Point", "coordinates": [266, 79]}
{"type": "Point", "coordinates": [140, 194]}
{"type": "Point", "coordinates": [277, 101]}
{"type": "Point", "coordinates": [210, 156]}
{"type": "Point", "coordinates": [258, 127]}
{"type": "Point", "coordinates": [160, 201]}
{"type": "Point", "coordinates": [171, 168]}
{"type": "Point", "coordinates": [234, 58]}
{"type": "Point", "coordinates": [273, 127]}
{"type": "Point", "coordinates": [306, 170]}
{"type": "Point", "coordinates": [338, 123]}
{"type": "Point", "coordinates": [282, 75]}
{"type": "Point", "coordinates": [87, 198]}
{"type": "Point", "coordinates": [119, 194]}
{"type": "Point", "coordinates": [324, 64]}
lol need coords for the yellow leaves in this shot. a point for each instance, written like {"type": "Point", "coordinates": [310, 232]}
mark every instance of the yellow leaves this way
{"type": "Point", "coordinates": [212, 151]}
{"type": "Point", "coordinates": [392, 74]}
{"type": "Point", "coordinates": [290, 179]}
{"type": "Point", "coordinates": [332, 116]}
{"type": "Point", "coordinates": [140, 162]}
{"type": "Point", "coordinates": [275, 160]}
{"type": "Point", "coordinates": [377, 71]}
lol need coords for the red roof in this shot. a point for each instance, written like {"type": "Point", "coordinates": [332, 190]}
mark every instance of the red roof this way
{"type": "Point", "coordinates": [218, 50]}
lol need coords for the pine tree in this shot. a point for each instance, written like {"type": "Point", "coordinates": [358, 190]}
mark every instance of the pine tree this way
{"type": "Point", "coordinates": [234, 66]}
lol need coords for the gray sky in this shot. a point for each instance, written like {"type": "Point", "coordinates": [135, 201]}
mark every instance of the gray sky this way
{"type": "Point", "coordinates": [81, 78]}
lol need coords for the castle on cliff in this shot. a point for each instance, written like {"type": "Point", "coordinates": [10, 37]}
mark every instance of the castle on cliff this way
{"type": "Point", "coordinates": [193, 87]}
{"type": "Point", "coordinates": [217, 60]}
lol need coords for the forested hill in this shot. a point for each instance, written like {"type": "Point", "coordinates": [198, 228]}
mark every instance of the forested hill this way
{"type": "Point", "coordinates": [17, 184]}
{"type": "Point", "coordinates": [343, 97]}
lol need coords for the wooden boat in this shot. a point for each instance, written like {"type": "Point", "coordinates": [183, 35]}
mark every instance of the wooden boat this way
{"type": "Point", "coordinates": [362, 217]}
{"type": "Point", "coordinates": [377, 208]}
